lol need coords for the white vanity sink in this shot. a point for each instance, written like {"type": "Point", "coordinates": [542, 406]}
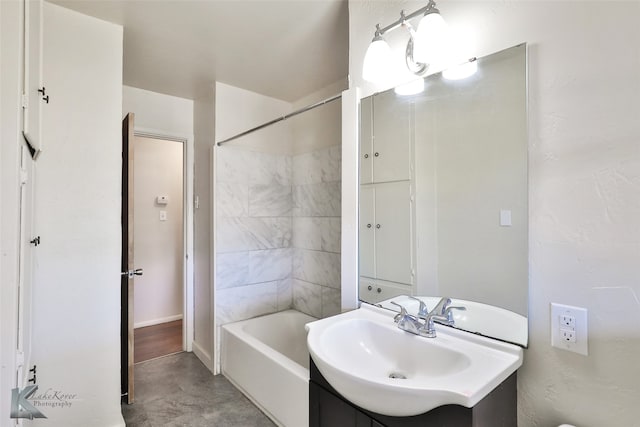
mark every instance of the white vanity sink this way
{"type": "Point", "coordinates": [381, 368]}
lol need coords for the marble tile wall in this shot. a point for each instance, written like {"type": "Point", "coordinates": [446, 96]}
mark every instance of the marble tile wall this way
{"type": "Point", "coordinates": [316, 231]}
{"type": "Point", "coordinates": [254, 251]}
{"type": "Point", "coordinates": [277, 233]}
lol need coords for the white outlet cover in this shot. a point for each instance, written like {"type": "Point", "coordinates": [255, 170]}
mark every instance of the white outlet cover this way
{"type": "Point", "coordinates": [581, 344]}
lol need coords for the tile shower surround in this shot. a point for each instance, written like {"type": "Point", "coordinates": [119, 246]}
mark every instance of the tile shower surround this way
{"type": "Point", "coordinates": [278, 233]}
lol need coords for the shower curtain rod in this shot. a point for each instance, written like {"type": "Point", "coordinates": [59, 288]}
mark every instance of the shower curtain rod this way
{"type": "Point", "coordinates": [279, 119]}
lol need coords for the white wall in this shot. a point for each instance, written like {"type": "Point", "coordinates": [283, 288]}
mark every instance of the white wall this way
{"type": "Point", "coordinates": [157, 111]}
{"type": "Point", "coordinates": [158, 244]}
{"type": "Point", "coordinates": [204, 134]}
{"type": "Point", "coordinates": [584, 190]}
{"type": "Point", "coordinates": [238, 110]}
{"type": "Point", "coordinates": [76, 296]}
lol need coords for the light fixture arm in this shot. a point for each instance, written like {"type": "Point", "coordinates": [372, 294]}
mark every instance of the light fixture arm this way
{"type": "Point", "coordinates": [417, 68]}
{"type": "Point", "coordinates": [429, 8]}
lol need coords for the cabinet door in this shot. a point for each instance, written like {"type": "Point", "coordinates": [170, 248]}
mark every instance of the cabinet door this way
{"type": "Point", "coordinates": [391, 138]}
{"type": "Point", "coordinates": [374, 290]}
{"type": "Point", "coordinates": [327, 410]}
{"type": "Point", "coordinates": [367, 231]}
{"type": "Point", "coordinates": [393, 252]}
{"type": "Point", "coordinates": [366, 141]}
{"type": "Point", "coordinates": [33, 88]}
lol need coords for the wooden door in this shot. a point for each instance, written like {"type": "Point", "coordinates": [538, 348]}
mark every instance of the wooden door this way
{"type": "Point", "coordinates": [127, 278]}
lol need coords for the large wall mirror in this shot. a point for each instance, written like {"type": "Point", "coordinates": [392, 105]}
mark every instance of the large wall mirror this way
{"type": "Point", "coordinates": [443, 189]}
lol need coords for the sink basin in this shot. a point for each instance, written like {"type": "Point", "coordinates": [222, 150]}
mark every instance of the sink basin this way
{"type": "Point", "coordinates": [383, 369]}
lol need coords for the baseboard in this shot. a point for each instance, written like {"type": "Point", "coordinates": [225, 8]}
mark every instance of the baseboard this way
{"type": "Point", "coordinates": [157, 321]}
{"type": "Point", "coordinates": [203, 355]}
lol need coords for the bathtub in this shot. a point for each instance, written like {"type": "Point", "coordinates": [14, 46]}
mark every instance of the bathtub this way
{"type": "Point", "coordinates": [267, 359]}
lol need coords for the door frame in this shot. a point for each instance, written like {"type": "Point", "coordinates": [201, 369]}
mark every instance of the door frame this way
{"type": "Point", "coordinates": [188, 226]}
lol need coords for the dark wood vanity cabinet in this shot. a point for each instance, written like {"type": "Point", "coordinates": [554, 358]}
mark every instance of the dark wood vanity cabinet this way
{"type": "Point", "coordinates": [328, 409]}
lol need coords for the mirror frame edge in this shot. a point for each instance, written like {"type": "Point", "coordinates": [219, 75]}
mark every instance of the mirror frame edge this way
{"type": "Point", "coordinates": [350, 199]}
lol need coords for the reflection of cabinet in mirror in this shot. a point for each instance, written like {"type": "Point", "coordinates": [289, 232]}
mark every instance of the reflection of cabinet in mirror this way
{"type": "Point", "coordinates": [385, 145]}
{"type": "Point", "coordinates": [386, 205]}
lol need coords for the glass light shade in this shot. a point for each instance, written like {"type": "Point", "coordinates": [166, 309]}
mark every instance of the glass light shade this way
{"type": "Point", "coordinates": [410, 88]}
{"type": "Point", "coordinates": [376, 61]}
{"type": "Point", "coordinates": [461, 71]}
{"type": "Point", "coordinates": [431, 40]}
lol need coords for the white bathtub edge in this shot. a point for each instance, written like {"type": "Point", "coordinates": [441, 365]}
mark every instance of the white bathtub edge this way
{"type": "Point", "coordinates": [265, 376]}
{"type": "Point", "coordinates": [255, 402]}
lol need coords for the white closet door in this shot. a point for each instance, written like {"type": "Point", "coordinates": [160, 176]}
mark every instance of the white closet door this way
{"type": "Point", "coordinates": [366, 141]}
{"type": "Point", "coordinates": [391, 138]}
{"type": "Point", "coordinates": [393, 232]}
{"type": "Point", "coordinates": [34, 90]}
{"type": "Point", "coordinates": [367, 232]}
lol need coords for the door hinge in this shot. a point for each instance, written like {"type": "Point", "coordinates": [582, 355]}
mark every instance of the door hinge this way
{"type": "Point", "coordinates": [45, 97]}
{"type": "Point", "coordinates": [24, 100]}
{"type": "Point", "coordinates": [33, 379]}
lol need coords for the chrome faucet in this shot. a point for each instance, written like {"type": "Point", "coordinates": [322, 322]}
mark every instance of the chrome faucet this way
{"type": "Point", "coordinates": [441, 313]}
{"type": "Point", "coordinates": [406, 321]}
{"type": "Point", "coordinates": [445, 309]}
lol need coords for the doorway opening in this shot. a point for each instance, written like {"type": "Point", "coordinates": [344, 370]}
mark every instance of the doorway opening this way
{"type": "Point", "coordinates": [158, 246]}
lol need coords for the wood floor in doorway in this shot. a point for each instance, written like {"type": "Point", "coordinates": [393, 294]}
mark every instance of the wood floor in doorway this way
{"type": "Point", "coordinates": [157, 340]}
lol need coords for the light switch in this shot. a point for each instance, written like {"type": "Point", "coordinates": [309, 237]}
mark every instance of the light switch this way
{"type": "Point", "coordinates": [163, 215]}
{"type": "Point", "coordinates": [505, 218]}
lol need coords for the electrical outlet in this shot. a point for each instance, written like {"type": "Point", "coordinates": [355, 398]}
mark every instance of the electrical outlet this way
{"type": "Point", "coordinates": [567, 321]}
{"type": "Point", "coordinates": [568, 335]}
{"type": "Point", "coordinates": [569, 328]}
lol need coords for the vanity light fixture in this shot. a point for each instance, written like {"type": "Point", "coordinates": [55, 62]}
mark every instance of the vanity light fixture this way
{"type": "Point", "coordinates": [423, 48]}
{"type": "Point", "coordinates": [376, 59]}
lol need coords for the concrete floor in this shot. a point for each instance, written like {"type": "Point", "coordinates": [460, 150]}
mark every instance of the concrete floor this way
{"type": "Point", "coordinates": [178, 390]}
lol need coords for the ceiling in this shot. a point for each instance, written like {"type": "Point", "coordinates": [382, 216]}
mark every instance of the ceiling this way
{"type": "Point", "coordinates": [285, 49]}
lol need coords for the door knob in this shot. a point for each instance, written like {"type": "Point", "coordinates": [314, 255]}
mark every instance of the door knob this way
{"type": "Point", "coordinates": [131, 273]}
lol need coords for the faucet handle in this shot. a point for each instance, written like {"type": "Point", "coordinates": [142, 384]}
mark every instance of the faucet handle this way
{"type": "Point", "coordinates": [448, 313]}
{"type": "Point", "coordinates": [403, 312]}
{"type": "Point", "coordinates": [428, 329]}
{"type": "Point", "coordinates": [423, 310]}
{"type": "Point", "coordinates": [406, 321]}
{"type": "Point", "coordinates": [443, 304]}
